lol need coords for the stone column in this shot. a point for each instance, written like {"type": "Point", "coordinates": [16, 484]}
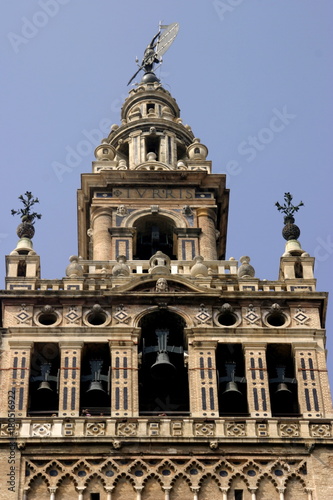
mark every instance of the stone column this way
{"type": "Point", "coordinates": [167, 493]}
{"type": "Point", "coordinates": [52, 493]}
{"type": "Point", "coordinates": [224, 494]}
{"type": "Point", "coordinates": [309, 492]}
{"type": "Point", "coordinates": [281, 493]}
{"type": "Point", "coordinates": [69, 384]}
{"type": "Point", "coordinates": [101, 222]}
{"type": "Point", "coordinates": [19, 375]}
{"type": "Point", "coordinates": [108, 493]}
{"type": "Point", "coordinates": [310, 381]}
{"type": "Point", "coordinates": [203, 380]}
{"type": "Point", "coordinates": [253, 494]}
{"type": "Point", "coordinates": [257, 380]}
{"type": "Point", "coordinates": [124, 376]}
{"type": "Point", "coordinates": [80, 490]}
{"type": "Point", "coordinates": [138, 492]}
{"type": "Point", "coordinates": [195, 493]}
{"type": "Point", "coordinates": [206, 222]}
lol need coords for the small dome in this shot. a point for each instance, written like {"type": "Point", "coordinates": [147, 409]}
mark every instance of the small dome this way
{"type": "Point", "coordinates": [149, 77]}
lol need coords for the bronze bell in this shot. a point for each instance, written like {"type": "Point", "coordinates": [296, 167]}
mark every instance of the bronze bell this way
{"type": "Point", "coordinates": [95, 385]}
{"type": "Point", "coordinates": [282, 388]}
{"type": "Point", "coordinates": [162, 369]}
{"type": "Point", "coordinates": [44, 385]}
{"type": "Point", "coordinates": [232, 387]}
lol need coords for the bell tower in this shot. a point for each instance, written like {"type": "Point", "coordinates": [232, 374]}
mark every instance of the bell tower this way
{"type": "Point", "coordinates": [151, 188]}
{"type": "Point", "coordinates": [157, 368]}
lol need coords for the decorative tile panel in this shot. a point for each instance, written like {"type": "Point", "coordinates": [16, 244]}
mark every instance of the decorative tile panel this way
{"type": "Point", "coordinates": [204, 429]}
{"type": "Point", "coordinates": [127, 429]}
{"type": "Point", "coordinates": [9, 429]}
{"type": "Point", "coordinates": [154, 429]}
{"type": "Point", "coordinates": [290, 429]}
{"type": "Point", "coordinates": [95, 429]}
{"type": "Point", "coordinates": [321, 430]}
{"type": "Point", "coordinates": [235, 429]}
{"type": "Point", "coordinates": [176, 428]}
{"type": "Point", "coordinates": [41, 430]}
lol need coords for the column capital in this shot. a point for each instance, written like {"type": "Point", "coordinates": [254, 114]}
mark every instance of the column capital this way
{"type": "Point", "coordinates": [206, 212]}
{"type": "Point", "coordinates": [98, 211]}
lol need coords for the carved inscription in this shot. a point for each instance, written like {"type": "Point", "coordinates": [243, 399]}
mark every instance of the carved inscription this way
{"type": "Point", "coordinates": [154, 193]}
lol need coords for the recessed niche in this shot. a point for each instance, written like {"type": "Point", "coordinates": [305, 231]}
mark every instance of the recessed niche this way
{"type": "Point", "coordinates": [276, 320]}
{"type": "Point", "coordinates": [49, 318]}
{"type": "Point", "coordinates": [96, 318]}
{"type": "Point", "coordinates": [227, 319]}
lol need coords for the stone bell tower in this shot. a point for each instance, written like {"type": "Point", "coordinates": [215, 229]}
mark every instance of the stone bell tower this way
{"type": "Point", "coordinates": [157, 369]}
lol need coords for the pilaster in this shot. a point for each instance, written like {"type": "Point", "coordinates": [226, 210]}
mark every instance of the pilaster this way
{"type": "Point", "coordinates": [257, 380]}
{"type": "Point", "coordinates": [203, 380]}
{"type": "Point", "coordinates": [70, 374]}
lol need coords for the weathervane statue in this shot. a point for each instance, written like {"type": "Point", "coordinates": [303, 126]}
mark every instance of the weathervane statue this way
{"type": "Point", "coordinates": [157, 47]}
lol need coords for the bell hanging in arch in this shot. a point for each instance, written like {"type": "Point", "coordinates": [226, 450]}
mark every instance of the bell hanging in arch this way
{"type": "Point", "coordinates": [95, 385]}
{"type": "Point", "coordinates": [232, 389]}
{"type": "Point", "coordinates": [282, 388]}
{"type": "Point", "coordinates": [44, 385]}
{"type": "Point", "coordinates": [162, 369]}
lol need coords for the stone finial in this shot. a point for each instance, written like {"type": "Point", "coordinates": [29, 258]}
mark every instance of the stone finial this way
{"type": "Point", "coordinates": [197, 151]}
{"type": "Point", "coordinates": [159, 263]}
{"type": "Point", "coordinates": [105, 152]}
{"type": "Point", "coordinates": [199, 269]}
{"type": "Point", "coordinates": [121, 268]}
{"type": "Point", "coordinates": [74, 269]}
{"type": "Point", "coordinates": [151, 156]}
{"type": "Point", "coordinates": [26, 228]}
{"type": "Point", "coordinates": [290, 231]}
{"type": "Point", "coordinates": [245, 270]}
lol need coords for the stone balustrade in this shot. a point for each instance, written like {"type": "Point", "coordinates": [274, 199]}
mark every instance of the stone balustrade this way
{"type": "Point", "coordinates": [172, 428]}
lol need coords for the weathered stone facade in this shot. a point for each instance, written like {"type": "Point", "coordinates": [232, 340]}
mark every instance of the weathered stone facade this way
{"type": "Point", "coordinates": [149, 372]}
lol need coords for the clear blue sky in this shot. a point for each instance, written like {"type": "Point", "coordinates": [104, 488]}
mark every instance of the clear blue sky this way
{"type": "Point", "coordinates": [234, 67]}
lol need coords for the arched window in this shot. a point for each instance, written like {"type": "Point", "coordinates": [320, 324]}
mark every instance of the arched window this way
{"type": "Point", "coordinates": [153, 233]}
{"type": "Point", "coordinates": [282, 381]}
{"type": "Point", "coordinates": [95, 379]}
{"type": "Point", "coordinates": [162, 351]}
{"type": "Point", "coordinates": [231, 380]}
{"type": "Point", "coordinates": [44, 373]}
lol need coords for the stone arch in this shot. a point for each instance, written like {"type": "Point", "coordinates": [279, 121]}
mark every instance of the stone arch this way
{"type": "Point", "coordinates": [209, 487]}
{"type": "Point", "coordinates": [93, 477]}
{"type": "Point", "coordinates": [295, 488]}
{"type": "Point", "coordinates": [149, 310]}
{"type": "Point", "coordinates": [181, 488]}
{"type": "Point", "coordinates": [66, 488]}
{"type": "Point", "coordinates": [178, 219]}
{"type": "Point", "coordinates": [238, 482]}
{"type": "Point", "coordinates": [124, 488]}
{"type": "Point", "coordinates": [267, 489]}
{"type": "Point", "coordinates": [39, 488]}
{"type": "Point", "coordinates": [153, 488]}
{"type": "Point", "coordinates": [162, 345]}
{"type": "Point", "coordinates": [70, 477]}
{"type": "Point", "coordinates": [270, 477]}
{"type": "Point", "coordinates": [94, 484]}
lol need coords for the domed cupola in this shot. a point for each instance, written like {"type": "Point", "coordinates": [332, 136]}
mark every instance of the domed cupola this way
{"type": "Point", "coordinates": [152, 135]}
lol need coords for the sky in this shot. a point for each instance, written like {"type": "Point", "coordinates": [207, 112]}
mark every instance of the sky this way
{"type": "Point", "coordinates": [253, 78]}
